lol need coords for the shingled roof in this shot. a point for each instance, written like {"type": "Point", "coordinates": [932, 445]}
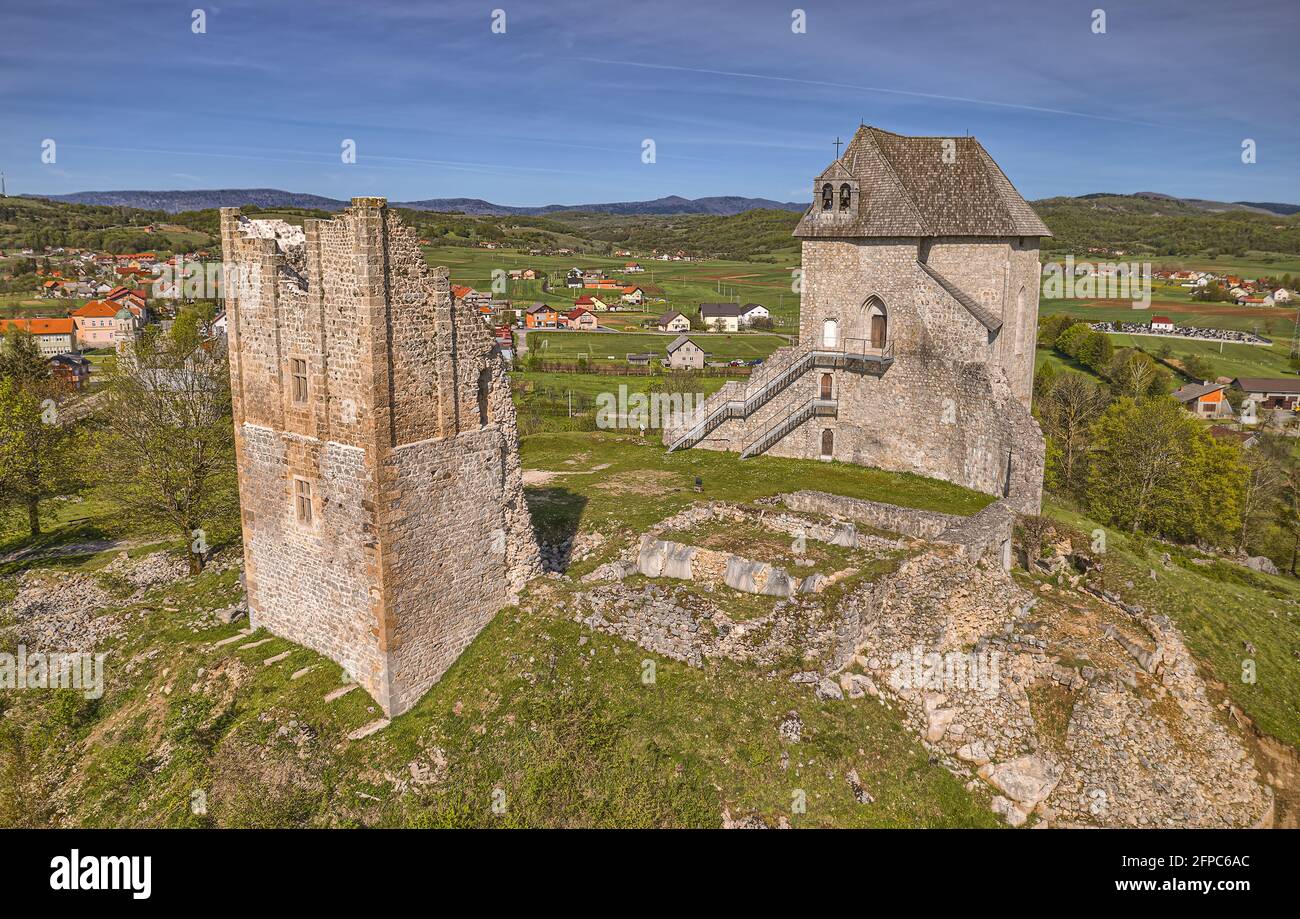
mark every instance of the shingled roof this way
{"type": "Point", "coordinates": [907, 188]}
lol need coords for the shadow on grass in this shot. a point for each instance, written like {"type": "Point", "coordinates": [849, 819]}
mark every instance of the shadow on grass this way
{"type": "Point", "coordinates": [556, 513]}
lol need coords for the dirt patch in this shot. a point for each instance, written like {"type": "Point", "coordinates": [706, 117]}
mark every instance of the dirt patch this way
{"type": "Point", "coordinates": [640, 482]}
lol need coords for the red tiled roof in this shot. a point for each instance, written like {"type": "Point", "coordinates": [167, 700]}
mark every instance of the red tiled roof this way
{"type": "Point", "coordinates": [97, 309]}
{"type": "Point", "coordinates": [1164, 319]}
{"type": "Point", "coordinates": [39, 326]}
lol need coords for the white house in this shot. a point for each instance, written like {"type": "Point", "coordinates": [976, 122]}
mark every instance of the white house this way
{"type": "Point", "coordinates": [673, 321]}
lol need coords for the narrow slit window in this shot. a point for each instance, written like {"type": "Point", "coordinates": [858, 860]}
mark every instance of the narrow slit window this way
{"type": "Point", "coordinates": [298, 370]}
{"type": "Point", "coordinates": [302, 500]}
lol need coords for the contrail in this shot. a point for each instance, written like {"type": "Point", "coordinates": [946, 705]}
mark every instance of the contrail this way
{"type": "Point", "coordinates": [880, 89]}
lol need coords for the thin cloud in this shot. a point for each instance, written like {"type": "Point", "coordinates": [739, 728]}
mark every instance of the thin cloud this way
{"type": "Point", "coordinates": [881, 89]}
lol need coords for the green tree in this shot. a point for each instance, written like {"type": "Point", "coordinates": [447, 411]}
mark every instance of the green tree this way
{"type": "Point", "coordinates": [38, 450]}
{"type": "Point", "coordinates": [1071, 340]}
{"type": "Point", "coordinates": [1067, 411]}
{"type": "Point", "coordinates": [1096, 351]}
{"type": "Point", "coordinates": [21, 361]}
{"type": "Point", "coordinates": [167, 455]}
{"type": "Point", "coordinates": [1154, 469]}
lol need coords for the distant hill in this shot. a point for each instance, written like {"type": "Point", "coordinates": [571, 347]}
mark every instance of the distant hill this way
{"type": "Point", "coordinates": [174, 202]}
{"type": "Point", "coordinates": [1182, 205]}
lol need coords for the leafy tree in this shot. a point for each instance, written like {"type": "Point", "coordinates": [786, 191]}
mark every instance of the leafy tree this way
{"type": "Point", "coordinates": [1136, 374]}
{"type": "Point", "coordinates": [1154, 469]}
{"type": "Point", "coordinates": [1051, 327]}
{"type": "Point", "coordinates": [1067, 411]}
{"type": "Point", "coordinates": [21, 361]}
{"type": "Point", "coordinates": [38, 451]}
{"type": "Point", "coordinates": [1096, 351]}
{"type": "Point", "coordinates": [1071, 340]}
{"type": "Point", "coordinates": [167, 455]}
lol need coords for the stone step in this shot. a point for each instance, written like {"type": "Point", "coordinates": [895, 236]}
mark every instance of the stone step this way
{"type": "Point", "coordinates": [367, 729]}
{"type": "Point", "coordinates": [340, 692]}
{"type": "Point", "coordinates": [254, 644]}
{"type": "Point", "coordinates": [298, 674]}
{"type": "Point", "coordinates": [277, 658]}
{"type": "Point", "coordinates": [238, 636]}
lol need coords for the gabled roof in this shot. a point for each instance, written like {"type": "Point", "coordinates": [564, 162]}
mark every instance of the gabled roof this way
{"type": "Point", "coordinates": [678, 342]}
{"type": "Point", "coordinates": [96, 309]}
{"type": "Point", "coordinates": [923, 186]}
{"type": "Point", "coordinates": [541, 308]}
{"type": "Point", "coordinates": [1268, 384]}
{"type": "Point", "coordinates": [669, 317]}
{"type": "Point", "coordinates": [1164, 319]}
{"type": "Point", "coordinates": [721, 309]}
{"type": "Point", "coordinates": [1196, 390]}
{"type": "Point", "coordinates": [39, 326]}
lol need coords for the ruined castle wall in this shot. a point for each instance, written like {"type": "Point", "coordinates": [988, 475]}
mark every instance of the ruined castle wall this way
{"type": "Point", "coordinates": [447, 571]}
{"type": "Point", "coordinates": [311, 584]}
{"type": "Point", "coordinates": [407, 437]}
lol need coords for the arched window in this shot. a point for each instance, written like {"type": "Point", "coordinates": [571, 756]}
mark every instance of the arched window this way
{"type": "Point", "coordinates": [877, 322]}
{"type": "Point", "coordinates": [828, 196]}
{"type": "Point", "coordinates": [830, 334]}
{"type": "Point", "coordinates": [828, 443]}
{"type": "Point", "coordinates": [846, 196]}
{"type": "Point", "coordinates": [827, 391]}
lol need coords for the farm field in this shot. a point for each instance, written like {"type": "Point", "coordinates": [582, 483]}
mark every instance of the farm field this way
{"type": "Point", "coordinates": [603, 346]}
{"type": "Point", "coordinates": [685, 285]}
{"type": "Point", "coordinates": [1226, 359]}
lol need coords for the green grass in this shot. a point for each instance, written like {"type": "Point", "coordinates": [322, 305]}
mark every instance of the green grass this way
{"type": "Point", "coordinates": [539, 714]}
{"type": "Point", "coordinates": [641, 483]}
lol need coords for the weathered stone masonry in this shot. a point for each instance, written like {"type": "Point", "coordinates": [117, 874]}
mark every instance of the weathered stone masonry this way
{"type": "Point", "coordinates": [364, 392]}
{"type": "Point", "coordinates": [921, 273]}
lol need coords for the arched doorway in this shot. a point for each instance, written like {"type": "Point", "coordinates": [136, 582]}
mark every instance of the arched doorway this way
{"type": "Point", "coordinates": [826, 386]}
{"type": "Point", "coordinates": [830, 334]}
{"type": "Point", "coordinates": [877, 323]}
{"type": "Point", "coordinates": [828, 443]}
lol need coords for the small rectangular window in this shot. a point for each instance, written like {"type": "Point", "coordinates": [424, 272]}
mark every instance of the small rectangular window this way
{"type": "Point", "coordinates": [302, 499]}
{"type": "Point", "coordinates": [299, 372]}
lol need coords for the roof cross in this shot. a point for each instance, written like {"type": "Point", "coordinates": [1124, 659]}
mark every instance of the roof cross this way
{"type": "Point", "coordinates": [838, 144]}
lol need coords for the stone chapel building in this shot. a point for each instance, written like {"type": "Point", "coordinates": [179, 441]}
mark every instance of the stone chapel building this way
{"type": "Point", "coordinates": [917, 326]}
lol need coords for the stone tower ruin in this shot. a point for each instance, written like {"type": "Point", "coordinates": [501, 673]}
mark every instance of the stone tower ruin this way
{"type": "Point", "coordinates": [918, 319]}
{"type": "Point", "coordinates": [382, 499]}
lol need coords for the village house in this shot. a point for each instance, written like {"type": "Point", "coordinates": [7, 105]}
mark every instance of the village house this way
{"type": "Point", "coordinates": [581, 319]}
{"type": "Point", "coordinates": [591, 302]}
{"type": "Point", "coordinates": [96, 323]}
{"type": "Point", "coordinates": [1246, 439]}
{"type": "Point", "coordinates": [70, 371]}
{"type": "Point", "coordinates": [673, 321]}
{"type": "Point", "coordinates": [573, 279]}
{"type": "Point", "coordinates": [541, 316]}
{"type": "Point", "coordinates": [632, 267]}
{"type": "Point", "coordinates": [1269, 393]}
{"type": "Point", "coordinates": [524, 274]}
{"type": "Point", "coordinates": [1161, 324]}
{"type": "Point", "coordinates": [684, 354]}
{"type": "Point", "coordinates": [1281, 295]}
{"type": "Point", "coordinates": [633, 295]}
{"type": "Point", "coordinates": [731, 317]}
{"type": "Point", "coordinates": [471, 297]}
{"type": "Point", "coordinates": [1205, 400]}
{"type": "Point", "coordinates": [53, 336]}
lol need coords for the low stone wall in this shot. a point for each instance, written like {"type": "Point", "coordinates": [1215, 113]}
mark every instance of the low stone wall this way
{"type": "Point", "coordinates": [985, 536]}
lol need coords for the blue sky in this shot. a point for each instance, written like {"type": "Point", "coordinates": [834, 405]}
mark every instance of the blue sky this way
{"type": "Point", "coordinates": [556, 109]}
